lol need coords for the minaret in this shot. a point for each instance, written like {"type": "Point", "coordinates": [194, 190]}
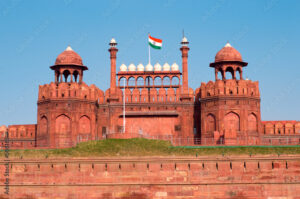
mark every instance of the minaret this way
{"type": "Point", "coordinates": [113, 56]}
{"type": "Point", "coordinates": [184, 52]}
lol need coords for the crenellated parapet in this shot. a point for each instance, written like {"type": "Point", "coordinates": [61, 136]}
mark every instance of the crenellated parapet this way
{"type": "Point", "coordinates": [70, 91]}
{"type": "Point", "coordinates": [230, 87]}
{"type": "Point", "coordinates": [281, 128]}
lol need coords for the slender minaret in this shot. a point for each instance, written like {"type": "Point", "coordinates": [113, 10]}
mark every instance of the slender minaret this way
{"type": "Point", "coordinates": [113, 56]}
{"type": "Point", "coordinates": [184, 51]}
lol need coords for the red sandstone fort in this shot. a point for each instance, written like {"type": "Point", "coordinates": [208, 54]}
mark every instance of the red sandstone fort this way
{"type": "Point", "coordinates": [153, 102]}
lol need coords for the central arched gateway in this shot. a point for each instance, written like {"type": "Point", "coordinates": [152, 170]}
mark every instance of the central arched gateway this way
{"type": "Point", "coordinates": [232, 122]}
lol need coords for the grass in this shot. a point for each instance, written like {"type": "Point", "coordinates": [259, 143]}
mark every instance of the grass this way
{"type": "Point", "coordinates": [144, 147]}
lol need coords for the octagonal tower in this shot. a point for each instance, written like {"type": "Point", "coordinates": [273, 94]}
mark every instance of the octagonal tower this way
{"type": "Point", "coordinates": [230, 106]}
{"type": "Point", "coordinates": [67, 107]}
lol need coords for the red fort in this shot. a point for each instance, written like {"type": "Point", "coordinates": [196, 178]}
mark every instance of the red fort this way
{"type": "Point", "coordinates": [154, 102]}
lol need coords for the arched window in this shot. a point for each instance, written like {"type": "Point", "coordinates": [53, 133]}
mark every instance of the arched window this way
{"type": "Point", "coordinates": [149, 81]}
{"type": "Point", "coordinates": [210, 123]}
{"type": "Point", "coordinates": [131, 81]}
{"type": "Point", "coordinates": [166, 81]}
{"type": "Point", "coordinates": [84, 125]}
{"type": "Point", "coordinates": [157, 81]}
{"type": "Point", "coordinates": [175, 81]}
{"type": "Point", "coordinates": [229, 71]}
{"type": "Point", "coordinates": [66, 74]}
{"type": "Point", "coordinates": [75, 74]}
{"type": "Point", "coordinates": [252, 122]}
{"type": "Point", "coordinates": [140, 81]}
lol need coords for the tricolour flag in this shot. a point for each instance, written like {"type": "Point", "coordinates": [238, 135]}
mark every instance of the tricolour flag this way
{"type": "Point", "coordinates": [155, 43]}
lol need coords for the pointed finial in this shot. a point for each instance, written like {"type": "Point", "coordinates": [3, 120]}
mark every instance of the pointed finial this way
{"type": "Point", "coordinates": [113, 42]}
{"type": "Point", "coordinates": [228, 44]}
{"type": "Point", "coordinates": [69, 48]}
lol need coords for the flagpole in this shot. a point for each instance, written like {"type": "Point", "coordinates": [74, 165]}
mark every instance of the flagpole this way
{"type": "Point", "coordinates": [149, 49]}
{"type": "Point", "coordinates": [124, 122]}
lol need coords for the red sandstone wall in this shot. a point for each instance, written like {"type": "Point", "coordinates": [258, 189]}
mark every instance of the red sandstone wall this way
{"type": "Point", "coordinates": [234, 177]}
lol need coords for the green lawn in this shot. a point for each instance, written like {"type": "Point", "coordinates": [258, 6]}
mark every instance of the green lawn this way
{"type": "Point", "coordinates": [144, 147]}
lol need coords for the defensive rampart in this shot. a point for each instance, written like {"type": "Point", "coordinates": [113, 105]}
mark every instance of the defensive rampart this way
{"type": "Point", "coordinates": [155, 177]}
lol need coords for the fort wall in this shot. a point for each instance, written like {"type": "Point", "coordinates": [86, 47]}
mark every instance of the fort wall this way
{"type": "Point", "coordinates": [155, 177]}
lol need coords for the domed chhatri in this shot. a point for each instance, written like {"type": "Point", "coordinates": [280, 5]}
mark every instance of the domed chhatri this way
{"type": "Point", "coordinates": [140, 67]}
{"type": "Point", "coordinates": [228, 53]}
{"type": "Point", "coordinates": [157, 67]}
{"type": "Point", "coordinates": [149, 67]}
{"type": "Point", "coordinates": [175, 67]}
{"type": "Point", "coordinates": [69, 57]}
{"type": "Point", "coordinates": [166, 67]}
{"type": "Point", "coordinates": [131, 67]}
{"type": "Point", "coordinates": [123, 67]}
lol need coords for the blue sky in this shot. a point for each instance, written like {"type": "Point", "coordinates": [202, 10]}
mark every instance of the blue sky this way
{"type": "Point", "coordinates": [33, 33]}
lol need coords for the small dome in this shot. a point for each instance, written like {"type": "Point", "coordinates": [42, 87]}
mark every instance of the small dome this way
{"type": "Point", "coordinates": [69, 57]}
{"type": "Point", "coordinates": [228, 53]}
{"type": "Point", "coordinates": [113, 41]}
{"type": "Point", "coordinates": [123, 67]}
{"type": "Point", "coordinates": [149, 67]}
{"type": "Point", "coordinates": [131, 67]}
{"type": "Point", "coordinates": [175, 67]}
{"type": "Point", "coordinates": [140, 67]}
{"type": "Point", "coordinates": [184, 40]}
{"type": "Point", "coordinates": [157, 67]}
{"type": "Point", "coordinates": [166, 67]}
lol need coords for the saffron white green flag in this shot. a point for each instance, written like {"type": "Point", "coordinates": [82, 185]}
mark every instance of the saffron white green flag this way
{"type": "Point", "coordinates": [154, 42]}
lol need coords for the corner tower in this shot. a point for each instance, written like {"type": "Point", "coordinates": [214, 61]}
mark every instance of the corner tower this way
{"type": "Point", "coordinates": [67, 107]}
{"type": "Point", "coordinates": [230, 106]}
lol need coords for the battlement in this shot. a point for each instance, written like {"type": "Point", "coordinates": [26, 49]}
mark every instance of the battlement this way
{"type": "Point", "coordinates": [229, 87]}
{"type": "Point", "coordinates": [287, 127]}
{"type": "Point", "coordinates": [68, 91]}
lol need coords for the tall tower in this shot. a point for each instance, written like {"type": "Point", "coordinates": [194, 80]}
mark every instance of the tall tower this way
{"type": "Point", "coordinates": [184, 54]}
{"type": "Point", "coordinates": [113, 57]}
{"type": "Point", "coordinates": [67, 107]}
{"type": "Point", "coordinates": [230, 106]}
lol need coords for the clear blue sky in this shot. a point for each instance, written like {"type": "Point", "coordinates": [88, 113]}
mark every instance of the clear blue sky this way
{"type": "Point", "coordinates": [33, 33]}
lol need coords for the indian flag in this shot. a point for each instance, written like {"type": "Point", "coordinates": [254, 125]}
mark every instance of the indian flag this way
{"type": "Point", "coordinates": [155, 43]}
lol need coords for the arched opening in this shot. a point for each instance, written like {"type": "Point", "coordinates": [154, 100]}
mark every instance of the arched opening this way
{"type": "Point", "coordinates": [122, 82]}
{"type": "Point", "coordinates": [232, 122]}
{"type": "Point", "coordinates": [131, 81]}
{"type": "Point", "coordinates": [166, 81]}
{"type": "Point", "coordinates": [229, 71]}
{"type": "Point", "coordinates": [149, 81]}
{"type": "Point", "coordinates": [210, 123]}
{"type": "Point", "coordinates": [157, 81]}
{"type": "Point", "coordinates": [66, 74]}
{"type": "Point", "coordinates": [252, 122]}
{"type": "Point", "coordinates": [63, 131]}
{"type": "Point", "coordinates": [140, 81]}
{"type": "Point", "coordinates": [175, 81]}
{"type": "Point", "coordinates": [75, 74]}
{"type": "Point", "coordinates": [43, 131]}
{"type": "Point", "coordinates": [84, 129]}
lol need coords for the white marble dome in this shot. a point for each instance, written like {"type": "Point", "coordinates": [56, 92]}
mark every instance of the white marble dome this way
{"type": "Point", "coordinates": [140, 67]}
{"type": "Point", "coordinates": [184, 39]}
{"type": "Point", "coordinates": [166, 67]}
{"type": "Point", "coordinates": [175, 67]}
{"type": "Point", "coordinates": [113, 41]}
{"type": "Point", "coordinates": [131, 67]}
{"type": "Point", "coordinates": [123, 67]}
{"type": "Point", "coordinates": [157, 67]}
{"type": "Point", "coordinates": [149, 67]}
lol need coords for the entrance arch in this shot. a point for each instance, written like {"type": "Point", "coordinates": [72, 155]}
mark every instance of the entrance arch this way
{"type": "Point", "coordinates": [232, 122]}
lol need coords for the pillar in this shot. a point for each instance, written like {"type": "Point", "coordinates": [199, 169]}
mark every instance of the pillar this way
{"type": "Point", "coordinates": [113, 56]}
{"type": "Point", "coordinates": [184, 52]}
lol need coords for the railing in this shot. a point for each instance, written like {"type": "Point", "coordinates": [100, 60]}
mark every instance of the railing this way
{"type": "Point", "coordinates": [192, 141]}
